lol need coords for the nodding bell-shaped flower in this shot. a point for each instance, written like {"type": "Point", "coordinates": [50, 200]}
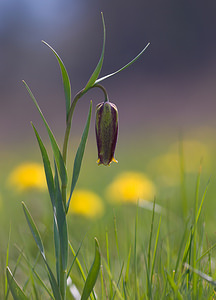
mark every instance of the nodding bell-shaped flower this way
{"type": "Point", "coordinates": [106, 128]}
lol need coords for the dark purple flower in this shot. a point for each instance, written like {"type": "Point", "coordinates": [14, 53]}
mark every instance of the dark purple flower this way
{"type": "Point", "coordinates": [106, 128]}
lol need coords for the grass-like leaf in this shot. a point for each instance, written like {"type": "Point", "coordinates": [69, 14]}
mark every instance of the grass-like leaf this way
{"type": "Point", "coordinates": [124, 67]}
{"type": "Point", "coordinates": [61, 222]}
{"type": "Point", "coordinates": [57, 153]}
{"type": "Point", "coordinates": [174, 287]}
{"type": "Point", "coordinates": [65, 78]}
{"type": "Point", "coordinates": [93, 273]}
{"type": "Point", "coordinates": [97, 70]}
{"type": "Point", "coordinates": [34, 272]}
{"type": "Point", "coordinates": [204, 276]}
{"type": "Point", "coordinates": [155, 250]}
{"type": "Point", "coordinates": [108, 262]}
{"type": "Point", "coordinates": [39, 243]}
{"type": "Point", "coordinates": [118, 293]}
{"type": "Point", "coordinates": [7, 260]}
{"type": "Point", "coordinates": [15, 289]}
{"type": "Point", "coordinates": [75, 257]}
{"type": "Point", "coordinates": [79, 155]}
{"type": "Point", "coordinates": [34, 230]}
{"type": "Point", "coordinates": [47, 168]}
{"type": "Point", "coordinates": [57, 247]}
{"type": "Point", "coordinates": [135, 254]}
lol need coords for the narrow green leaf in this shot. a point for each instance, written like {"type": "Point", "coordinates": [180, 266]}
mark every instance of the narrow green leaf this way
{"type": "Point", "coordinates": [174, 287]}
{"type": "Point", "coordinates": [15, 289]}
{"type": "Point", "coordinates": [77, 262]}
{"type": "Point", "coordinates": [47, 168]}
{"type": "Point", "coordinates": [39, 243]}
{"type": "Point", "coordinates": [124, 67]}
{"type": "Point", "coordinates": [34, 230]}
{"type": "Point", "coordinates": [65, 78]}
{"type": "Point", "coordinates": [62, 223]}
{"type": "Point", "coordinates": [93, 273]}
{"type": "Point", "coordinates": [32, 268]}
{"type": "Point", "coordinates": [128, 267]}
{"type": "Point", "coordinates": [108, 262]}
{"type": "Point", "coordinates": [120, 275]}
{"type": "Point", "coordinates": [207, 252]}
{"type": "Point", "coordinates": [179, 252]}
{"type": "Point", "coordinates": [155, 250]}
{"type": "Point", "coordinates": [75, 257]}
{"type": "Point", "coordinates": [62, 236]}
{"type": "Point", "coordinates": [97, 70]}
{"type": "Point", "coordinates": [113, 282]}
{"type": "Point", "coordinates": [204, 276]}
{"type": "Point", "coordinates": [57, 248]}
{"type": "Point", "coordinates": [57, 153]}
{"type": "Point", "coordinates": [7, 260]}
{"type": "Point", "coordinates": [150, 237]}
{"type": "Point", "coordinates": [79, 155]}
{"type": "Point", "coordinates": [148, 281]}
{"type": "Point", "coordinates": [135, 254]}
{"type": "Point", "coordinates": [202, 201]}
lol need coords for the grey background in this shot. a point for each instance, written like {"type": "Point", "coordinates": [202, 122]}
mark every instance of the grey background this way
{"type": "Point", "coordinates": [169, 89]}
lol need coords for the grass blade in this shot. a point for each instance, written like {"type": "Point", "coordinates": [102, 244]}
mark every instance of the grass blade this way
{"type": "Point", "coordinates": [79, 155]}
{"type": "Point", "coordinates": [65, 78]}
{"type": "Point", "coordinates": [74, 259]}
{"type": "Point", "coordinates": [39, 243]}
{"type": "Point", "coordinates": [15, 289]}
{"type": "Point", "coordinates": [208, 278]}
{"type": "Point", "coordinates": [47, 168]}
{"type": "Point", "coordinates": [127, 267]}
{"type": "Point", "coordinates": [97, 70]}
{"type": "Point", "coordinates": [120, 275]}
{"type": "Point", "coordinates": [34, 230]}
{"type": "Point", "coordinates": [57, 247]}
{"type": "Point", "coordinates": [174, 287]}
{"type": "Point", "coordinates": [34, 272]}
{"type": "Point", "coordinates": [57, 154]}
{"type": "Point", "coordinates": [61, 222]}
{"type": "Point", "coordinates": [155, 250]}
{"type": "Point", "coordinates": [124, 67]}
{"type": "Point", "coordinates": [77, 262]}
{"type": "Point", "coordinates": [108, 262]}
{"type": "Point", "coordinates": [93, 274]}
{"type": "Point", "coordinates": [135, 253]}
{"type": "Point", "coordinates": [118, 293]}
{"type": "Point", "coordinates": [7, 260]}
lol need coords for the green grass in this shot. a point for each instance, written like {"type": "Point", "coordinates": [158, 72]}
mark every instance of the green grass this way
{"type": "Point", "coordinates": [144, 254]}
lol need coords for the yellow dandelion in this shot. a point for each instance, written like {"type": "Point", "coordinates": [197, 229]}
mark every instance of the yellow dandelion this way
{"type": "Point", "coordinates": [27, 176]}
{"type": "Point", "coordinates": [86, 203]}
{"type": "Point", "coordinates": [131, 187]}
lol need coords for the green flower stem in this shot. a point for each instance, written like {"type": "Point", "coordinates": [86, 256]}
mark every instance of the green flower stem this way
{"type": "Point", "coordinates": [70, 115]}
{"type": "Point", "coordinates": [104, 91]}
{"type": "Point", "coordinates": [68, 128]}
{"type": "Point", "coordinates": [63, 280]}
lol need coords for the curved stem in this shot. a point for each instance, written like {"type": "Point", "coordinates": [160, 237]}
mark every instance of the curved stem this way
{"type": "Point", "coordinates": [68, 128]}
{"type": "Point", "coordinates": [70, 115]}
{"type": "Point", "coordinates": [104, 91]}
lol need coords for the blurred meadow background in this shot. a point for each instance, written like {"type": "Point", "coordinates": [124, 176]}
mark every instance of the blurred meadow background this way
{"type": "Point", "coordinates": [167, 124]}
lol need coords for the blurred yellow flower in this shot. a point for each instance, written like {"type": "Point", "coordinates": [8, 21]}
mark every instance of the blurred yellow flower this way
{"type": "Point", "coordinates": [86, 203]}
{"type": "Point", "coordinates": [131, 187]}
{"type": "Point", "coordinates": [166, 167]}
{"type": "Point", "coordinates": [27, 176]}
{"type": "Point", "coordinates": [193, 151]}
